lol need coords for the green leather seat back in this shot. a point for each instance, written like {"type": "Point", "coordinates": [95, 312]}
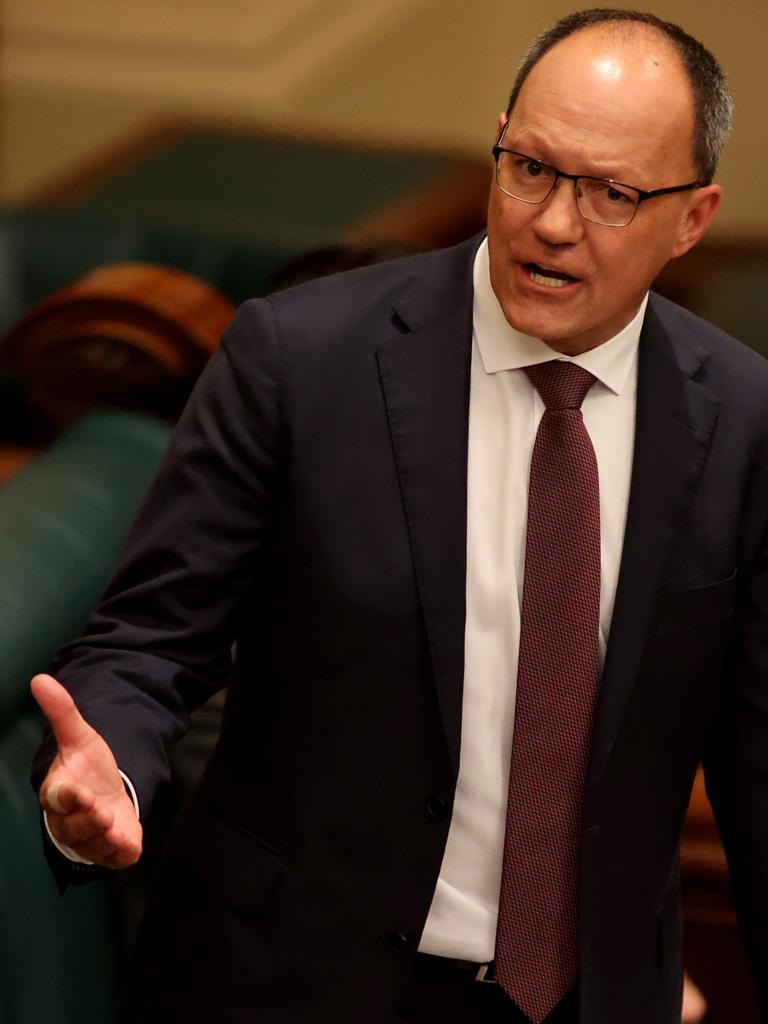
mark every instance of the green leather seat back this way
{"type": "Point", "coordinates": [59, 956]}
{"type": "Point", "coordinates": [297, 193]}
{"type": "Point", "coordinates": [62, 522]}
{"type": "Point", "coordinates": [44, 250]}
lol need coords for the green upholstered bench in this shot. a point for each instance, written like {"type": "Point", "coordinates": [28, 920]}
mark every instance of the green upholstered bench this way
{"type": "Point", "coordinates": [59, 956]}
{"type": "Point", "coordinates": [44, 250]}
{"type": "Point", "coordinates": [62, 521]}
{"type": "Point", "coordinates": [297, 192]}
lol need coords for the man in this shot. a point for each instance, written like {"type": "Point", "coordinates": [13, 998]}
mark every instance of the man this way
{"type": "Point", "coordinates": [434, 499]}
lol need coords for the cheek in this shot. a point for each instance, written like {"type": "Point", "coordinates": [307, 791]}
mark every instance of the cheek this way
{"type": "Point", "coordinates": [506, 219]}
{"type": "Point", "coordinates": [627, 265]}
{"type": "Point", "coordinates": [500, 257]}
{"type": "Point", "coordinates": [649, 248]}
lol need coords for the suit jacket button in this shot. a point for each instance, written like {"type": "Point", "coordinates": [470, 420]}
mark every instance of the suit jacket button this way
{"type": "Point", "coordinates": [437, 808]}
{"type": "Point", "coordinates": [399, 942]}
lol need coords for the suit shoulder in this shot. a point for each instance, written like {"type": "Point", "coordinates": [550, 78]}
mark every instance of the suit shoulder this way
{"type": "Point", "coordinates": [360, 304]}
{"type": "Point", "coordinates": [729, 359]}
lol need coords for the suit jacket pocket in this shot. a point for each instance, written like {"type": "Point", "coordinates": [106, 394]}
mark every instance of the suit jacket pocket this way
{"type": "Point", "coordinates": [694, 607]}
{"type": "Point", "coordinates": [239, 867]}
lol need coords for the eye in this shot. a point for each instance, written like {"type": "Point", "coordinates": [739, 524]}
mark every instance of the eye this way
{"type": "Point", "coordinates": [532, 167]}
{"type": "Point", "coordinates": [615, 195]}
{"type": "Point", "coordinates": [527, 167]}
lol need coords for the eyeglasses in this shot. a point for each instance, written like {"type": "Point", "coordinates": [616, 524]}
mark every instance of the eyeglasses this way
{"type": "Point", "coordinates": [600, 200]}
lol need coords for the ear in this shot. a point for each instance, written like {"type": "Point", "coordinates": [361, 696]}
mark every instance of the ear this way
{"type": "Point", "coordinates": [697, 217]}
{"type": "Point", "coordinates": [500, 123]}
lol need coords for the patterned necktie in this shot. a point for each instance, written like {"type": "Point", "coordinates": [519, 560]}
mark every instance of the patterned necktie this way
{"type": "Point", "coordinates": [536, 939]}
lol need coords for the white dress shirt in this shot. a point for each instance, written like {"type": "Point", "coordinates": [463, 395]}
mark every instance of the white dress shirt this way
{"type": "Point", "coordinates": [504, 414]}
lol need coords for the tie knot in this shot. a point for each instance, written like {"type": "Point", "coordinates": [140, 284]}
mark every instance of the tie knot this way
{"type": "Point", "coordinates": [561, 385]}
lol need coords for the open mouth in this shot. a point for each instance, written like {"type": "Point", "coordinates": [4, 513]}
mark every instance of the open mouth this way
{"type": "Point", "coordinates": [549, 278]}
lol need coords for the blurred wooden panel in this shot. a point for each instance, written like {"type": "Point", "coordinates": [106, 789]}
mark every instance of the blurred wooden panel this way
{"type": "Point", "coordinates": [726, 282]}
{"type": "Point", "coordinates": [713, 952]}
{"type": "Point", "coordinates": [13, 458]}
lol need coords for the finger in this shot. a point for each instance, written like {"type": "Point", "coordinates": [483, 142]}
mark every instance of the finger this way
{"type": "Point", "coordinates": [77, 828]}
{"type": "Point", "coordinates": [124, 857]}
{"type": "Point", "coordinates": [112, 849]}
{"type": "Point", "coordinates": [97, 849]}
{"type": "Point", "coordinates": [62, 796]}
{"type": "Point", "coordinates": [51, 798]}
{"type": "Point", "coordinates": [69, 726]}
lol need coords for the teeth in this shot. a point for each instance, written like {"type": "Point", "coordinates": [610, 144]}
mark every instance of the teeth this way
{"type": "Point", "coordinates": [550, 282]}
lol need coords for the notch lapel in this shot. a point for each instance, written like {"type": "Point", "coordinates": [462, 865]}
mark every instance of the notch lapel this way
{"type": "Point", "coordinates": [675, 422]}
{"type": "Point", "coordinates": [425, 377]}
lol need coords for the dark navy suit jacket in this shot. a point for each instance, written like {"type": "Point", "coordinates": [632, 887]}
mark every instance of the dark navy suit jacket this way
{"type": "Point", "coordinates": [313, 506]}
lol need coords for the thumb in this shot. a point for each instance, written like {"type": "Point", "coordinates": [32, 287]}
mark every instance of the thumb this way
{"type": "Point", "coordinates": [69, 726]}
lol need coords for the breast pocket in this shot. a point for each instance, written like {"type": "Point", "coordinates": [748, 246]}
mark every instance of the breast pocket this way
{"type": "Point", "coordinates": [694, 607]}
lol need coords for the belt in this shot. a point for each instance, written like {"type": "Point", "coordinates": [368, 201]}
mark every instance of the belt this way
{"type": "Point", "coordinates": [468, 969]}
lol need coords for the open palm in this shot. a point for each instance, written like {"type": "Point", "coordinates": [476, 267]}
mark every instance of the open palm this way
{"type": "Point", "coordinates": [83, 794]}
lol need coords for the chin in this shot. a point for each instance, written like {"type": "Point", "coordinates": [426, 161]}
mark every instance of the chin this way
{"type": "Point", "coordinates": [534, 324]}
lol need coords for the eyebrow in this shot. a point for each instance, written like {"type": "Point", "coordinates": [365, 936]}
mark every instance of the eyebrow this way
{"type": "Point", "coordinates": [540, 151]}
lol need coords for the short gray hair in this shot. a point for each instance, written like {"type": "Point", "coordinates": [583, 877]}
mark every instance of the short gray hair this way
{"type": "Point", "coordinates": [712, 101]}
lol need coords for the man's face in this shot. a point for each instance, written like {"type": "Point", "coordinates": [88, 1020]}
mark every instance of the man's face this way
{"type": "Point", "coordinates": [610, 106]}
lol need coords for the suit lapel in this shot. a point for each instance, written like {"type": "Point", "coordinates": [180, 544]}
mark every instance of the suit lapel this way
{"type": "Point", "coordinates": [674, 425]}
{"type": "Point", "coordinates": [425, 377]}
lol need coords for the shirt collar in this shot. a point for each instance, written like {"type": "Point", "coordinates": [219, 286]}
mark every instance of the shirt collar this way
{"type": "Point", "coordinates": [503, 348]}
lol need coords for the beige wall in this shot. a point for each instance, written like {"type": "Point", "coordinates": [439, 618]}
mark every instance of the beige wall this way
{"type": "Point", "coordinates": [79, 75]}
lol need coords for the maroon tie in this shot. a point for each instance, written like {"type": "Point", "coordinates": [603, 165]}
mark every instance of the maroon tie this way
{"type": "Point", "coordinates": [536, 938]}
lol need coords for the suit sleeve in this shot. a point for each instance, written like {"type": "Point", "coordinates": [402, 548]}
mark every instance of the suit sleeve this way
{"type": "Point", "coordinates": [736, 757]}
{"type": "Point", "coordinates": [159, 643]}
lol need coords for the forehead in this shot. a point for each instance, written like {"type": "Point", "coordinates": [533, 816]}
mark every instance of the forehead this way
{"type": "Point", "coordinates": [608, 102]}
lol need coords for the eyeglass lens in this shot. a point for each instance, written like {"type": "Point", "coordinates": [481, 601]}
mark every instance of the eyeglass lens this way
{"type": "Point", "coordinates": [530, 181]}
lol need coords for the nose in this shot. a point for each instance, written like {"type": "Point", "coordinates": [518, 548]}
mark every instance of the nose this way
{"type": "Point", "coordinates": [559, 221]}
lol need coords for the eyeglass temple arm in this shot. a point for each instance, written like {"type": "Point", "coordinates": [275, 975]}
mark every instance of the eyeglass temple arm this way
{"type": "Point", "coordinates": [497, 147]}
{"type": "Point", "coordinates": [641, 195]}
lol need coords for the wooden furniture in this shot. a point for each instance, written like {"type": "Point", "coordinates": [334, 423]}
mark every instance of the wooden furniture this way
{"type": "Point", "coordinates": [129, 335]}
{"type": "Point", "coordinates": [713, 952]}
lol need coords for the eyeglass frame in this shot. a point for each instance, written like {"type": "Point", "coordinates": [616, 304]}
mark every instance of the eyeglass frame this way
{"type": "Point", "coordinates": [642, 194]}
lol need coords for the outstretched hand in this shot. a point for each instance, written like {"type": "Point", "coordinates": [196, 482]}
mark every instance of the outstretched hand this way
{"type": "Point", "coordinates": [87, 805]}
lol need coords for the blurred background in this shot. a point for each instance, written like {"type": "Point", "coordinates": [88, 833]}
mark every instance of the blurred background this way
{"type": "Point", "coordinates": [84, 77]}
{"type": "Point", "coordinates": [162, 161]}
